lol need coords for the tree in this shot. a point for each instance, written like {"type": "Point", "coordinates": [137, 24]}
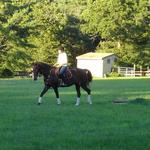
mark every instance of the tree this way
{"type": "Point", "coordinates": [14, 32]}
{"type": "Point", "coordinates": [56, 24]}
{"type": "Point", "coordinates": [122, 24]}
{"type": "Point", "coordinates": [31, 30]}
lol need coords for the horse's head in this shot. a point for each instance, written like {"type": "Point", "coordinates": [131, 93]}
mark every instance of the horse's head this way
{"type": "Point", "coordinates": [40, 68]}
{"type": "Point", "coordinates": [36, 71]}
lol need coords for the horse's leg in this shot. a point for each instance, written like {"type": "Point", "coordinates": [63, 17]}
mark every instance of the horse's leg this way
{"type": "Point", "coordinates": [89, 93]}
{"type": "Point", "coordinates": [78, 94]}
{"type": "Point", "coordinates": [57, 95]}
{"type": "Point", "coordinates": [42, 93]}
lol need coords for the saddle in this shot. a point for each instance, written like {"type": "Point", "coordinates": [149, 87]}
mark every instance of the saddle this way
{"type": "Point", "coordinates": [55, 72]}
{"type": "Point", "coordinates": [68, 74]}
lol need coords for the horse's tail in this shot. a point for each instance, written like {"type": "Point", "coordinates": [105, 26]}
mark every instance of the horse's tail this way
{"type": "Point", "coordinates": [89, 75]}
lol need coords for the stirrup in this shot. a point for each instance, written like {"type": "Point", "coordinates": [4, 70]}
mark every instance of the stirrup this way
{"type": "Point", "coordinates": [61, 83]}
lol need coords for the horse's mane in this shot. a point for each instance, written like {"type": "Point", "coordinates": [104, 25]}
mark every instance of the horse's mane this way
{"type": "Point", "coordinates": [43, 64]}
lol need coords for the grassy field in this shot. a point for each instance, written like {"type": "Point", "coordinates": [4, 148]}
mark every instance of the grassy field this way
{"type": "Point", "coordinates": [101, 126]}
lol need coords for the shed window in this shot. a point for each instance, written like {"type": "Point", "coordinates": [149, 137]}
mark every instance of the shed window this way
{"type": "Point", "coordinates": [115, 59]}
{"type": "Point", "coordinates": [108, 61]}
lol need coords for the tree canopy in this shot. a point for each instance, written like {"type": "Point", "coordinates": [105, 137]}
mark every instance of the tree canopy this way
{"type": "Point", "coordinates": [32, 30]}
{"type": "Point", "coordinates": [124, 24]}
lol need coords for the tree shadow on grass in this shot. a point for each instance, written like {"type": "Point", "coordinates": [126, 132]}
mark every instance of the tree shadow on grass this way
{"type": "Point", "coordinates": [136, 101]}
{"type": "Point", "coordinates": [141, 101]}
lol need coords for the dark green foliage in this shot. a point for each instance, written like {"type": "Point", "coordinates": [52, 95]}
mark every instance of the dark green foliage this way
{"type": "Point", "coordinates": [6, 73]}
{"type": "Point", "coordinates": [38, 28]}
{"type": "Point", "coordinates": [124, 26]}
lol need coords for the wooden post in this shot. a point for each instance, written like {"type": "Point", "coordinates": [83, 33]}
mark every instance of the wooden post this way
{"type": "Point", "coordinates": [126, 71]}
{"type": "Point", "coordinates": [118, 70]}
{"type": "Point", "coordinates": [134, 69]}
{"type": "Point", "coordinates": [141, 70]}
{"type": "Point", "coordinates": [148, 71]}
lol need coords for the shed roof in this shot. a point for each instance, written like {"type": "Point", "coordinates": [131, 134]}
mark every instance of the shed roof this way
{"type": "Point", "coordinates": [94, 55]}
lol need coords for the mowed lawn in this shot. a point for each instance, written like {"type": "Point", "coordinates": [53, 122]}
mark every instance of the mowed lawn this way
{"type": "Point", "coordinates": [101, 126]}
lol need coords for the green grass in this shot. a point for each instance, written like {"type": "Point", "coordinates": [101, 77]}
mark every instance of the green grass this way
{"type": "Point", "coordinates": [101, 126]}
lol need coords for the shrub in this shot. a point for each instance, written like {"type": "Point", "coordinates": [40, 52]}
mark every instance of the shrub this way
{"type": "Point", "coordinates": [5, 73]}
{"type": "Point", "coordinates": [114, 74]}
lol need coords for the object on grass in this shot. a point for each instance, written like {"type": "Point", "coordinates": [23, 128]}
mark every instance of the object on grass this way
{"type": "Point", "coordinates": [120, 101]}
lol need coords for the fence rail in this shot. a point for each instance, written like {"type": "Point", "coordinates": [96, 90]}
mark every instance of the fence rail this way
{"type": "Point", "coordinates": [22, 74]}
{"type": "Point", "coordinates": [131, 72]}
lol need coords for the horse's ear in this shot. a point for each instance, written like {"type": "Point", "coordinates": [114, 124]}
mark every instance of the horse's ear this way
{"type": "Point", "coordinates": [33, 63]}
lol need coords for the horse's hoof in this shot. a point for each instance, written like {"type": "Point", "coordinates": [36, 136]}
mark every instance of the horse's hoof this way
{"type": "Point", "coordinates": [76, 104]}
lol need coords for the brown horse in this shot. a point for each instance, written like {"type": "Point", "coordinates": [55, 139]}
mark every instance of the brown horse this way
{"type": "Point", "coordinates": [74, 76]}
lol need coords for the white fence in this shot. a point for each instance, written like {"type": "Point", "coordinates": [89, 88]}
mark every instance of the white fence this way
{"type": "Point", "coordinates": [131, 72]}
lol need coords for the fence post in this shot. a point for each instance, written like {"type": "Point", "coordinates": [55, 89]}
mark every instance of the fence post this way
{"type": "Point", "coordinates": [141, 70]}
{"type": "Point", "coordinates": [118, 70]}
{"type": "Point", "coordinates": [134, 69]}
{"type": "Point", "coordinates": [126, 71]}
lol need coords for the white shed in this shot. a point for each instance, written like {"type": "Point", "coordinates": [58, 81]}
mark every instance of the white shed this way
{"type": "Point", "coordinates": [98, 63]}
